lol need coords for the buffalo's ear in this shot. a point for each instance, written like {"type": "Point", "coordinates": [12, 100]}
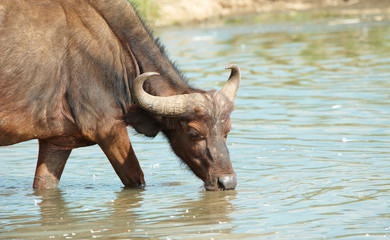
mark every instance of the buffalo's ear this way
{"type": "Point", "coordinates": [142, 122]}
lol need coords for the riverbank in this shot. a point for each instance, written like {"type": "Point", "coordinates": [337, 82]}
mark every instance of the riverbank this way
{"type": "Point", "coordinates": [182, 12]}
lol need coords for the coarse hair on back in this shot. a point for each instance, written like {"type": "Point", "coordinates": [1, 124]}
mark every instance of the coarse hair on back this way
{"type": "Point", "coordinates": [158, 42]}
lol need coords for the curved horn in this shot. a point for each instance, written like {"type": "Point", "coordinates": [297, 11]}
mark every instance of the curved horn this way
{"type": "Point", "coordinates": [231, 87]}
{"type": "Point", "coordinates": [166, 106]}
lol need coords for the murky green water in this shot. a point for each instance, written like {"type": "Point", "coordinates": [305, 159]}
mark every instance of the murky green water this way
{"type": "Point", "coordinates": [310, 144]}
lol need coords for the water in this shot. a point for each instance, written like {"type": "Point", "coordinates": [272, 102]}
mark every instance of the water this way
{"type": "Point", "coordinates": [310, 145]}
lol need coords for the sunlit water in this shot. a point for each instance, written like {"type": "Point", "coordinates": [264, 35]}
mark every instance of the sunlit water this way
{"type": "Point", "coordinates": [310, 145]}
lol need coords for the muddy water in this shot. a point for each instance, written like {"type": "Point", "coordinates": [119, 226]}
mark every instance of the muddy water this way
{"type": "Point", "coordinates": [310, 145]}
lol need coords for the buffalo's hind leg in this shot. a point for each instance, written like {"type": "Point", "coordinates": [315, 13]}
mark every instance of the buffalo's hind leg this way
{"type": "Point", "coordinates": [51, 163]}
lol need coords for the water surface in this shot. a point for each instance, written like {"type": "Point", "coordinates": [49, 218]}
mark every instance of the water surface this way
{"type": "Point", "coordinates": [310, 145]}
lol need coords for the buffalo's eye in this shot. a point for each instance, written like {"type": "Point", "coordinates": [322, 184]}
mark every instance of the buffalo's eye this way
{"type": "Point", "coordinates": [195, 135]}
{"type": "Point", "coordinates": [225, 138]}
{"type": "Point", "coordinates": [226, 135]}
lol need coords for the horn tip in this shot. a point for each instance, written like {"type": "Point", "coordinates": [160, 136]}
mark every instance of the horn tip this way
{"type": "Point", "coordinates": [232, 66]}
{"type": "Point", "coordinates": [151, 74]}
{"type": "Point", "coordinates": [142, 78]}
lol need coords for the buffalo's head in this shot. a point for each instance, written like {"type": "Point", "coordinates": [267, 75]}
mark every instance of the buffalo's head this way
{"type": "Point", "coordinates": [197, 125]}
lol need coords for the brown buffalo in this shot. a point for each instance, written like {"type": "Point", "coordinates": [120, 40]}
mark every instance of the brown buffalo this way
{"type": "Point", "coordinates": [74, 73]}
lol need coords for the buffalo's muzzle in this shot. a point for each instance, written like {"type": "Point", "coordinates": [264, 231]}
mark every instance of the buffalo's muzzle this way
{"type": "Point", "coordinates": [227, 182]}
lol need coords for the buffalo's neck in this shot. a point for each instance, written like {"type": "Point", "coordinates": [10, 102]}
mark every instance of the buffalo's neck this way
{"type": "Point", "coordinates": [142, 47]}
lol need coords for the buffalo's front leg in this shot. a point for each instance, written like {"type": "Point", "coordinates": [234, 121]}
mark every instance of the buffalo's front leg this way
{"type": "Point", "coordinates": [51, 163]}
{"type": "Point", "coordinates": [117, 147]}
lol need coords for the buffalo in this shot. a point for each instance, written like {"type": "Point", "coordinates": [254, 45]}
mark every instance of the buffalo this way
{"type": "Point", "coordinates": [75, 73]}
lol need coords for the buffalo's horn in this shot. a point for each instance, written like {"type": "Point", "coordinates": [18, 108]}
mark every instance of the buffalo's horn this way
{"type": "Point", "coordinates": [167, 106]}
{"type": "Point", "coordinates": [231, 87]}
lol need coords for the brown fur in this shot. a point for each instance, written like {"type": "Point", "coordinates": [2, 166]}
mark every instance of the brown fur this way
{"type": "Point", "coordinates": [66, 74]}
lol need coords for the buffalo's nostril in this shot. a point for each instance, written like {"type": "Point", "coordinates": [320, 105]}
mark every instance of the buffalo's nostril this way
{"type": "Point", "coordinates": [227, 182]}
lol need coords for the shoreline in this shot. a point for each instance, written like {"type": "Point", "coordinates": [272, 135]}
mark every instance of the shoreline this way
{"type": "Point", "coordinates": [183, 12]}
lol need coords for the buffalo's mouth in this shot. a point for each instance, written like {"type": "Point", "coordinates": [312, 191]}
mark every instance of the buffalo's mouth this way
{"type": "Point", "coordinates": [222, 183]}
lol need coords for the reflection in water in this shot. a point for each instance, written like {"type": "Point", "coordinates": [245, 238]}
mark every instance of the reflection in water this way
{"type": "Point", "coordinates": [53, 208]}
{"type": "Point", "coordinates": [310, 146]}
{"type": "Point", "coordinates": [127, 217]}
